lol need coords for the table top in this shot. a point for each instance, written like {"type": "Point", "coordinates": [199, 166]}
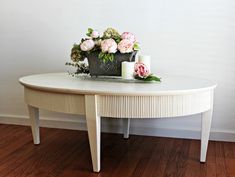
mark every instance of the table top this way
{"type": "Point", "coordinates": [65, 83]}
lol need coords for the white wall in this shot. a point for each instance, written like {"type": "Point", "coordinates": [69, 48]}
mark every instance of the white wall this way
{"type": "Point", "coordinates": [184, 37]}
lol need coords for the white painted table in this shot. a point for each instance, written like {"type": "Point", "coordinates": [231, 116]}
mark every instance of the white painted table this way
{"type": "Point", "coordinates": [175, 96]}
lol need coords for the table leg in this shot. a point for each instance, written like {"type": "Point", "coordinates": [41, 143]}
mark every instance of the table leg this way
{"type": "Point", "coordinates": [93, 126]}
{"type": "Point", "coordinates": [126, 127]}
{"type": "Point", "coordinates": [205, 133]}
{"type": "Point", "coordinates": [34, 121]}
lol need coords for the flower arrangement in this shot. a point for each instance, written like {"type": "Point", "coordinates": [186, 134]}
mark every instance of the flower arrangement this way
{"type": "Point", "coordinates": [105, 53]}
{"type": "Point", "coordinates": [107, 44]}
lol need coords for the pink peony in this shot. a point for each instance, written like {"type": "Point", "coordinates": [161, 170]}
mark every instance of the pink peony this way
{"type": "Point", "coordinates": [141, 70]}
{"type": "Point", "coordinates": [109, 45]}
{"type": "Point", "coordinates": [87, 45]}
{"type": "Point", "coordinates": [95, 34]}
{"type": "Point", "coordinates": [129, 36]}
{"type": "Point", "coordinates": [125, 46]}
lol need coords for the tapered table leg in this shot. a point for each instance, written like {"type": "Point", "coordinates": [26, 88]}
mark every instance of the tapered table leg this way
{"type": "Point", "coordinates": [126, 128]}
{"type": "Point", "coordinates": [205, 133]}
{"type": "Point", "coordinates": [34, 121]}
{"type": "Point", "coordinates": [93, 126]}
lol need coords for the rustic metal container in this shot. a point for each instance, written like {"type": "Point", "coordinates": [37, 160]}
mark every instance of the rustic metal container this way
{"type": "Point", "coordinates": [110, 68]}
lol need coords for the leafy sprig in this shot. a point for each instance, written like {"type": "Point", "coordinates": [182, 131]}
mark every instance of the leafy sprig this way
{"type": "Point", "coordinates": [81, 67]}
{"type": "Point", "coordinates": [112, 33]}
{"type": "Point", "coordinates": [106, 56]}
{"type": "Point", "coordinates": [90, 30]}
{"type": "Point", "coordinates": [150, 77]}
{"type": "Point", "coordinates": [136, 46]}
{"type": "Point", "coordinates": [77, 54]}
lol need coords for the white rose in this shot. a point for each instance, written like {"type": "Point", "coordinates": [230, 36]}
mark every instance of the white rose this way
{"type": "Point", "coordinates": [129, 36]}
{"type": "Point", "coordinates": [109, 45]}
{"type": "Point", "coordinates": [95, 34]}
{"type": "Point", "coordinates": [87, 45]}
{"type": "Point", "coordinates": [125, 46]}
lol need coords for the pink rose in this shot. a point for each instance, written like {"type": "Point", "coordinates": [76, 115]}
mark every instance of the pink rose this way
{"type": "Point", "coordinates": [141, 70]}
{"type": "Point", "coordinates": [87, 45]}
{"type": "Point", "coordinates": [95, 34]}
{"type": "Point", "coordinates": [109, 45]}
{"type": "Point", "coordinates": [125, 46]}
{"type": "Point", "coordinates": [129, 36]}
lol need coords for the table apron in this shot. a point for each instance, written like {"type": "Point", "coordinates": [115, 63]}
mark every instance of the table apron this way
{"type": "Point", "coordinates": [155, 106]}
{"type": "Point", "coordinates": [58, 102]}
{"type": "Point", "coordinates": [123, 106]}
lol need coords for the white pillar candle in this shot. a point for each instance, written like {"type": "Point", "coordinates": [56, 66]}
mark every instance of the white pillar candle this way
{"type": "Point", "coordinates": [145, 59]}
{"type": "Point", "coordinates": [128, 70]}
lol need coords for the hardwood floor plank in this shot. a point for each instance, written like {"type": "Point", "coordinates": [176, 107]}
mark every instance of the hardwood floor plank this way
{"type": "Point", "coordinates": [113, 152]}
{"type": "Point", "coordinates": [229, 149]}
{"type": "Point", "coordinates": [129, 161]}
{"type": "Point", "coordinates": [220, 160]}
{"type": "Point", "coordinates": [193, 161]}
{"type": "Point", "coordinates": [21, 157]}
{"type": "Point", "coordinates": [229, 158]}
{"type": "Point", "coordinates": [12, 140]}
{"type": "Point", "coordinates": [176, 164]}
{"type": "Point", "coordinates": [48, 157]}
{"type": "Point", "coordinates": [25, 148]}
{"type": "Point", "coordinates": [80, 153]}
{"type": "Point", "coordinates": [161, 153]}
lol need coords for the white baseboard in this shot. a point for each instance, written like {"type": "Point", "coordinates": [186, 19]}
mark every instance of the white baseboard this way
{"type": "Point", "coordinates": [147, 131]}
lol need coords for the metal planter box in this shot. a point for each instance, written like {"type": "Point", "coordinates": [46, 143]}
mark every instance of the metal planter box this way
{"type": "Point", "coordinates": [110, 68]}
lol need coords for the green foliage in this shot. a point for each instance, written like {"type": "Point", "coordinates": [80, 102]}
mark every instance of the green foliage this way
{"type": "Point", "coordinates": [106, 56]}
{"type": "Point", "coordinates": [117, 39]}
{"type": "Point", "coordinates": [150, 77]}
{"type": "Point", "coordinates": [136, 46]}
{"type": "Point", "coordinates": [112, 33]}
{"type": "Point", "coordinates": [81, 67]}
{"type": "Point", "coordinates": [77, 54]}
{"type": "Point", "coordinates": [71, 64]}
{"type": "Point", "coordinates": [90, 30]}
{"type": "Point", "coordinates": [76, 46]}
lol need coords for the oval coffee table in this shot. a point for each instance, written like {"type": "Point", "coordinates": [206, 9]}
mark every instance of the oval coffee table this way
{"type": "Point", "coordinates": [174, 96]}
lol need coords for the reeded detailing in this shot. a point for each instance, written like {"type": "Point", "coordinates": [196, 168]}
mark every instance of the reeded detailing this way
{"type": "Point", "coordinates": [59, 102]}
{"type": "Point", "coordinates": [154, 106]}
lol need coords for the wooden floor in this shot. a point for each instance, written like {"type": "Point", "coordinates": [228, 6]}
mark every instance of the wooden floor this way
{"type": "Point", "coordinates": [65, 153]}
